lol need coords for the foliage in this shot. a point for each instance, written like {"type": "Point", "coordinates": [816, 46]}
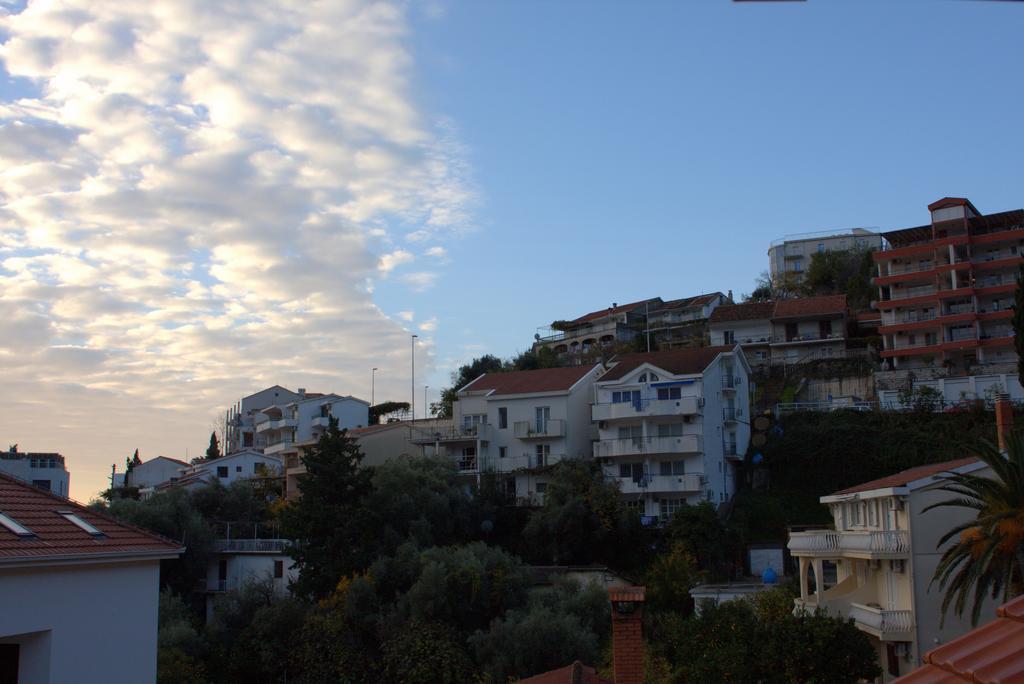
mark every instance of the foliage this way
{"type": "Point", "coordinates": [426, 653]}
{"type": "Point", "coordinates": [332, 529]}
{"type": "Point", "coordinates": [922, 399]}
{"type": "Point", "coordinates": [841, 271]}
{"type": "Point", "coordinates": [987, 554]}
{"type": "Point", "coordinates": [463, 376]}
{"type": "Point", "coordinates": [213, 451]}
{"type": "Point", "coordinates": [339, 641]}
{"type": "Point", "coordinates": [669, 580]}
{"type": "Point", "coordinates": [583, 520]}
{"type": "Point", "coordinates": [701, 533]}
{"type": "Point", "coordinates": [384, 408]}
{"type": "Point", "coordinates": [180, 648]}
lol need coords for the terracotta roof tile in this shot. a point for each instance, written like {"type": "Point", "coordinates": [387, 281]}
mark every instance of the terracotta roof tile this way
{"type": "Point", "coordinates": [748, 311]}
{"type": "Point", "coordinates": [688, 302]}
{"type": "Point", "coordinates": [810, 306]}
{"type": "Point", "coordinates": [677, 361]}
{"type": "Point", "coordinates": [577, 673]}
{"type": "Point", "coordinates": [55, 536]}
{"type": "Point", "coordinates": [623, 308]}
{"type": "Point", "coordinates": [525, 382]}
{"type": "Point", "coordinates": [905, 477]}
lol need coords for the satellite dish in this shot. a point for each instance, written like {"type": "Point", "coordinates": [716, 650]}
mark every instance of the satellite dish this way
{"type": "Point", "coordinates": [536, 337]}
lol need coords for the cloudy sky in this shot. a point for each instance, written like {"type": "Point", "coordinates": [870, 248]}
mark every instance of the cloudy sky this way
{"type": "Point", "coordinates": [199, 199]}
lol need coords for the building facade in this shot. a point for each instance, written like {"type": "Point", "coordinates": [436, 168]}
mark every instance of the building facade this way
{"type": "Point", "coordinates": [286, 428]}
{"type": "Point", "coordinates": [945, 290]}
{"type": "Point", "coordinates": [617, 324]}
{"type": "Point", "coordinates": [808, 328]}
{"type": "Point", "coordinates": [235, 563]}
{"type": "Point", "coordinates": [672, 425]}
{"type": "Point", "coordinates": [791, 256]}
{"type": "Point", "coordinates": [748, 325]}
{"type": "Point", "coordinates": [44, 470]}
{"type": "Point", "coordinates": [241, 465]}
{"type": "Point", "coordinates": [684, 322]}
{"type": "Point", "coordinates": [876, 566]}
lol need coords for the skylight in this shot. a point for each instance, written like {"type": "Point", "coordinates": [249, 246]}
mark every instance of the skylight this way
{"type": "Point", "coordinates": [73, 518]}
{"type": "Point", "coordinates": [15, 527]}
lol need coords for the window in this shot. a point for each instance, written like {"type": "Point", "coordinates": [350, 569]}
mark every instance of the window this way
{"type": "Point", "coordinates": [502, 418]}
{"type": "Point", "coordinates": [502, 452]}
{"type": "Point", "coordinates": [73, 518]}
{"type": "Point", "coordinates": [542, 487]}
{"type": "Point", "coordinates": [238, 469]}
{"type": "Point", "coordinates": [626, 397]}
{"type": "Point", "coordinates": [14, 526]}
{"type": "Point", "coordinates": [543, 454]}
{"type": "Point", "coordinates": [761, 356]}
{"type": "Point", "coordinates": [247, 439]}
{"type": "Point", "coordinates": [670, 429]}
{"type": "Point", "coordinates": [222, 471]}
{"type": "Point", "coordinates": [672, 468]}
{"type": "Point", "coordinates": [669, 393]}
{"type": "Point", "coordinates": [634, 471]}
{"type": "Point", "coordinates": [729, 337]}
{"type": "Point", "coordinates": [642, 378]}
{"type": "Point", "coordinates": [872, 513]}
{"type": "Point", "coordinates": [42, 484]}
{"type": "Point", "coordinates": [278, 569]}
{"type": "Point", "coordinates": [821, 247]}
{"type": "Point", "coordinates": [669, 507]}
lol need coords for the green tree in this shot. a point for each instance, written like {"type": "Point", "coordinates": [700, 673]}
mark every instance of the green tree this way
{"type": "Point", "coordinates": [986, 557]}
{"type": "Point", "coordinates": [463, 376]}
{"type": "Point", "coordinates": [180, 648]}
{"type": "Point", "coordinates": [669, 580]}
{"type": "Point", "coordinates": [1018, 323]}
{"type": "Point", "coordinates": [385, 408]}
{"type": "Point", "coordinates": [426, 653]}
{"type": "Point", "coordinates": [700, 531]}
{"type": "Point", "coordinates": [841, 271]}
{"type": "Point", "coordinates": [333, 530]}
{"type": "Point", "coordinates": [213, 451]}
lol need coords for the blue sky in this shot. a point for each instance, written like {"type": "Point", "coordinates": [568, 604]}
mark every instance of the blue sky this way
{"type": "Point", "coordinates": [201, 199]}
{"type": "Point", "coordinates": [657, 148]}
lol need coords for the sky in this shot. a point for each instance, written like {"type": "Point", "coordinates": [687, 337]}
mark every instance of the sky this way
{"type": "Point", "coordinates": [199, 200]}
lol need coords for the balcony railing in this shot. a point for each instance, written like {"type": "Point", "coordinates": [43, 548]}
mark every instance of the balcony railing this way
{"type": "Point", "coordinates": [825, 542]}
{"type": "Point", "coordinates": [910, 268]}
{"type": "Point", "coordinates": [250, 545]}
{"type": "Point", "coordinates": [806, 337]}
{"type": "Point", "coordinates": [651, 484]}
{"type": "Point", "coordinates": [460, 433]}
{"type": "Point", "coordinates": [729, 381]}
{"type": "Point", "coordinates": [729, 448]}
{"type": "Point", "coordinates": [636, 446]}
{"type": "Point", "coordinates": [731, 413]}
{"type": "Point", "coordinates": [646, 407]}
{"type": "Point", "coordinates": [466, 464]}
{"type": "Point", "coordinates": [211, 586]}
{"type": "Point", "coordinates": [957, 335]}
{"type": "Point", "coordinates": [529, 429]}
{"type": "Point", "coordinates": [907, 293]}
{"type": "Point", "coordinates": [880, 620]}
{"type": "Point", "coordinates": [527, 462]}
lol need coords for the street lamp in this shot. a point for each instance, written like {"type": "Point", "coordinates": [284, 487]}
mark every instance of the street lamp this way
{"type": "Point", "coordinates": [412, 343]}
{"type": "Point", "coordinates": [425, 404]}
{"type": "Point", "coordinates": [373, 378]}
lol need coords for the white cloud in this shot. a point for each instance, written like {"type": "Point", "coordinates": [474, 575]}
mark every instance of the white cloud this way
{"type": "Point", "coordinates": [193, 206]}
{"type": "Point", "coordinates": [429, 325]}
{"type": "Point", "coordinates": [437, 253]}
{"type": "Point", "coordinates": [406, 315]}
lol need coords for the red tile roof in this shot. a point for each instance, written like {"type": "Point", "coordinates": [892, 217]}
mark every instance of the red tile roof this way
{"type": "Point", "coordinates": [676, 361]}
{"type": "Point", "coordinates": [688, 302]}
{"type": "Point", "coordinates": [992, 653]}
{"type": "Point", "coordinates": [577, 673]}
{"type": "Point", "coordinates": [57, 537]}
{"type": "Point", "coordinates": [905, 477]}
{"type": "Point", "coordinates": [748, 311]}
{"type": "Point", "coordinates": [829, 305]}
{"type": "Point", "coordinates": [525, 382]}
{"type": "Point", "coordinates": [615, 310]}
{"type": "Point", "coordinates": [953, 202]}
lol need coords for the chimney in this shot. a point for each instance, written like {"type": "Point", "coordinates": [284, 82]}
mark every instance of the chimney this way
{"type": "Point", "coordinates": [302, 391]}
{"type": "Point", "coordinates": [627, 634]}
{"type": "Point", "coordinates": [1004, 419]}
{"type": "Point", "coordinates": [729, 296]}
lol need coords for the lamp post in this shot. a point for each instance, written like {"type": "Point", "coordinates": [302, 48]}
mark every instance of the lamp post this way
{"type": "Point", "coordinates": [425, 404]}
{"type": "Point", "coordinates": [412, 343]}
{"type": "Point", "coordinates": [373, 379]}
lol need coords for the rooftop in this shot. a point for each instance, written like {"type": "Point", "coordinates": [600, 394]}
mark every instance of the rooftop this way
{"type": "Point", "coordinates": [829, 305]}
{"type": "Point", "coordinates": [577, 673]}
{"type": "Point", "coordinates": [690, 302]}
{"type": "Point", "coordinates": [53, 534]}
{"type": "Point", "coordinates": [676, 361]}
{"type": "Point", "coordinates": [527, 382]}
{"type": "Point", "coordinates": [616, 309]}
{"type": "Point", "coordinates": [748, 311]}
{"type": "Point", "coordinates": [905, 477]}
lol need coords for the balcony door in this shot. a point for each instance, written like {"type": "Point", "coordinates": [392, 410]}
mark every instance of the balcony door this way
{"type": "Point", "coordinates": [543, 414]}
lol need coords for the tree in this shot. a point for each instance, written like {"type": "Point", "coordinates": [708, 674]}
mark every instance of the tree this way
{"type": "Point", "coordinates": [987, 554]}
{"type": "Point", "coordinates": [1018, 323]}
{"type": "Point", "coordinates": [841, 271]}
{"type": "Point", "coordinates": [426, 653]}
{"type": "Point", "coordinates": [669, 580]}
{"type": "Point", "coordinates": [460, 378]}
{"type": "Point", "coordinates": [332, 528]}
{"type": "Point", "coordinates": [385, 408]}
{"type": "Point", "coordinates": [213, 451]}
{"type": "Point", "coordinates": [700, 532]}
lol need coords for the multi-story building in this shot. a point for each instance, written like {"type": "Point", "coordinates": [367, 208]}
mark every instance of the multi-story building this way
{"type": "Point", "coordinates": [247, 464]}
{"type": "Point", "coordinates": [672, 424]}
{"type": "Point", "coordinates": [946, 289]}
{"type": "Point", "coordinates": [809, 328]}
{"type": "Point", "coordinates": [43, 470]}
{"type": "Point", "coordinates": [603, 328]}
{"type": "Point", "coordinates": [515, 425]}
{"type": "Point", "coordinates": [791, 256]}
{"type": "Point", "coordinates": [748, 325]}
{"type": "Point", "coordinates": [240, 419]}
{"type": "Point", "coordinates": [154, 472]}
{"type": "Point", "coordinates": [237, 562]}
{"type": "Point", "coordinates": [285, 428]}
{"type": "Point", "coordinates": [876, 566]}
{"type": "Point", "coordinates": [684, 322]}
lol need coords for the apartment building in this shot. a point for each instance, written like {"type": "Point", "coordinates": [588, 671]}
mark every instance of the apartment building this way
{"type": "Point", "coordinates": [876, 566]}
{"type": "Point", "coordinates": [240, 419]}
{"type": "Point", "coordinates": [241, 465]}
{"type": "Point", "coordinates": [515, 425]}
{"type": "Point", "coordinates": [748, 325]}
{"type": "Point", "coordinates": [43, 470]}
{"type": "Point", "coordinates": [808, 328]}
{"type": "Point", "coordinates": [684, 322]}
{"type": "Point", "coordinates": [153, 472]}
{"type": "Point", "coordinates": [945, 290]}
{"type": "Point", "coordinates": [672, 425]}
{"type": "Point", "coordinates": [605, 327]}
{"type": "Point", "coordinates": [791, 256]}
{"type": "Point", "coordinates": [285, 428]}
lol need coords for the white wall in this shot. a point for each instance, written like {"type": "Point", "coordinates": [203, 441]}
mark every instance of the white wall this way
{"type": "Point", "coordinates": [21, 468]}
{"type": "Point", "coordinates": [101, 620]}
{"type": "Point", "coordinates": [240, 466]}
{"type": "Point", "coordinates": [155, 471]}
{"type": "Point", "coordinates": [754, 330]}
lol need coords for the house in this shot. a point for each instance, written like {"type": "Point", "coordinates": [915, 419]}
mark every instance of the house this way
{"type": "Point", "coordinates": [240, 419]}
{"type": "Point", "coordinates": [991, 653]}
{"type": "Point", "coordinates": [876, 566]}
{"type": "Point", "coordinates": [684, 322]}
{"type": "Point", "coordinates": [517, 424]}
{"type": "Point", "coordinates": [808, 328]}
{"type": "Point", "coordinates": [791, 256]}
{"type": "Point", "coordinates": [241, 465]}
{"type": "Point", "coordinates": [748, 325]}
{"type": "Point", "coordinates": [79, 591]}
{"type": "Point", "coordinates": [672, 424]}
{"type": "Point", "coordinates": [286, 428]}
{"type": "Point", "coordinates": [237, 562]}
{"type": "Point", "coordinates": [618, 324]}
{"type": "Point", "coordinates": [945, 290]}
{"type": "Point", "coordinates": [44, 470]}
{"type": "Point", "coordinates": [155, 471]}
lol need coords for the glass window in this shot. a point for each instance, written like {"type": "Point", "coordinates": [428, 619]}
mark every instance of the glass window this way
{"type": "Point", "coordinates": [669, 393]}
{"type": "Point", "coordinates": [502, 452]}
{"type": "Point", "coordinates": [643, 377]}
{"type": "Point", "coordinates": [665, 468]}
{"type": "Point", "coordinates": [502, 418]}
{"type": "Point", "coordinates": [278, 569]}
{"type": "Point", "coordinates": [542, 487]}
{"type": "Point", "coordinates": [222, 471]}
{"type": "Point", "coordinates": [238, 469]}
{"type": "Point", "coordinates": [624, 470]}
{"type": "Point", "coordinates": [669, 507]}
{"type": "Point", "coordinates": [670, 429]}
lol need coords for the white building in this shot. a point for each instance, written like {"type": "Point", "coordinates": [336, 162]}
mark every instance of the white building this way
{"type": "Point", "coordinates": [241, 465]}
{"type": "Point", "coordinates": [241, 418]}
{"type": "Point", "coordinates": [43, 470]}
{"type": "Point", "coordinates": [78, 591]}
{"type": "Point", "coordinates": [792, 254]}
{"type": "Point", "coordinates": [672, 425]}
{"type": "Point", "coordinates": [876, 566]}
{"type": "Point", "coordinates": [748, 325]}
{"type": "Point", "coordinates": [284, 428]}
{"type": "Point", "coordinates": [238, 562]}
{"type": "Point", "coordinates": [808, 328]}
{"type": "Point", "coordinates": [517, 424]}
{"type": "Point", "coordinates": [155, 471]}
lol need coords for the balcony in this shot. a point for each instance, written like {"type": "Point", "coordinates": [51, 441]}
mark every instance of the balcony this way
{"type": "Point", "coordinates": [207, 586]}
{"type": "Point", "coordinates": [528, 462]}
{"type": "Point", "coordinates": [466, 464]}
{"type": "Point", "coordinates": [283, 444]}
{"type": "Point", "coordinates": [806, 337]}
{"type": "Point", "coordinates": [909, 292]}
{"type": "Point", "coordinates": [730, 450]}
{"type": "Point", "coordinates": [891, 625]}
{"type": "Point", "coordinates": [321, 422]}
{"type": "Point", "coordinates": [685, 406]}
{"type": "Point", "coordinates": [640, 446]}
{"type": "Point", "coordinates": [731, 414]}
{"type": "Point", "coordinates": [861, 544]}
{"type": "Point", "coordinates": [250, 545]}
{"type": "Point", "coordinates": [461, 433]}
{"type": "Point", "coordinates": [528, 429]}
{"type": "Point", "coordinates": [276, 424]}
{"type": "Point", "coordinates": [730, 381]}
{"type": "Point", "coordinates": [662, 484]}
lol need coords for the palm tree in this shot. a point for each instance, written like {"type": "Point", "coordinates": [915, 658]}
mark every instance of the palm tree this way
{"type": "Point", "coordinates": [987, 556]}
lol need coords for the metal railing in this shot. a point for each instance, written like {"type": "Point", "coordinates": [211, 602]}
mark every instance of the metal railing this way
{"type": "Point", "coordinates": [250, 545]}
{"type": "Point", "coordinates": [731, 413]}
{"type": "Point", "coordinates": [907, 293]}
{"type": "Point", "coordinates": [794, 406]}
{"type": "Point", "coordinates": [645, 407]}
{"type": "Point", "coordinates": [527, 429]}
{"type": "Point", "coordinates": [634, 446]}
{"type": "Point", "coordinates": [806, 337]}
